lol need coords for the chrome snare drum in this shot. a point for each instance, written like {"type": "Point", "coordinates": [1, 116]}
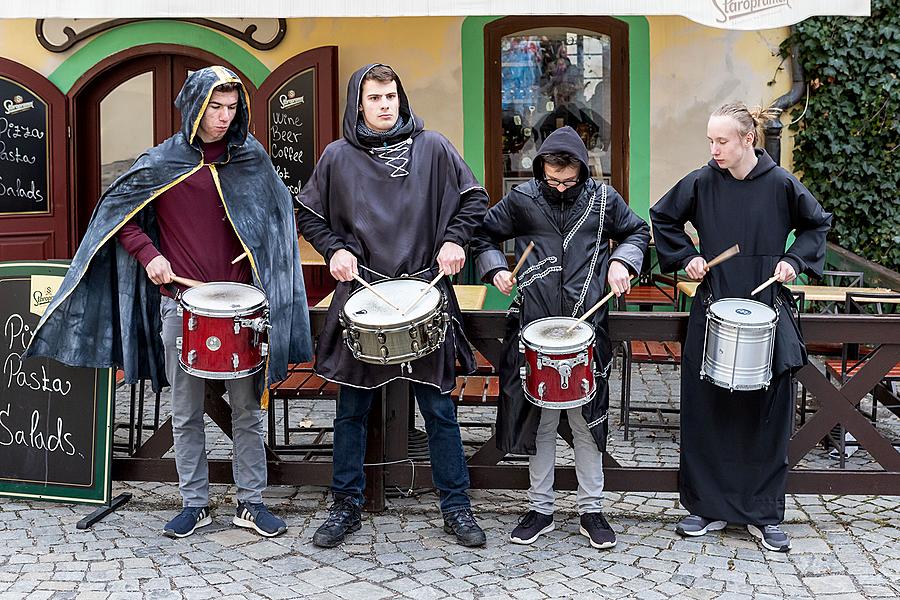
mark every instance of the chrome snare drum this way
{"type": "Point", "coordinates": [379, 334]}
{"type": "Point", "coordinates": [224, 330]}
{"type": "Point", "coordinates": [738, 345]}
{"type": "Point", "coordinates": [559, 364]}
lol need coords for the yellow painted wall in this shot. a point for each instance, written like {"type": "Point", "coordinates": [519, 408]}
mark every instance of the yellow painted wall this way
{"type": "Point", "coordinates": [695, 69]}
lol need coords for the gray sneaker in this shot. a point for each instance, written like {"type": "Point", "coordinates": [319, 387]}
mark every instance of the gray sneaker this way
{"type": "Point", "coordinates": [771, 537]}
{"type": "Point", "coordinates": [693, 526]}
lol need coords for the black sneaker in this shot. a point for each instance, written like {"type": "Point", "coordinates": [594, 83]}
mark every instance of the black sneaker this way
{"type": "Point", "coordinates": [771, 537]}
{"type": "Point", "coordinates": [258, 518]}
{"type": "Point", "coordinates": [595, 528]}
{"type": "Point", "coordinates": [187, 521]}
{"type": "Point", "coordinates": [343, 518]}
{"type": "Point", "coordinates": [531, 526]}
{"type": "Point", "coordinates": [693, 526]}
{"type": "Point", "coordinates": [462, 524]}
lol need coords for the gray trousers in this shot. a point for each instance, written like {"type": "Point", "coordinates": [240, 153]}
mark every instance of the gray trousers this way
{"type": "Point", "coordinates": [588, 464]}
{"type": "Point", "coordinates": [188, 427]}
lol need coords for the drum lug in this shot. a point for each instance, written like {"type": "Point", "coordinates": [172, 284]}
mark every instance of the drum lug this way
{"type": "Point", "coordinates": [382, 339]}
{"type": "Point", "coordinates": [413, 332]}
{"type": "Point", "coordinates": [237, 327]}
{"type": "Point", "coordinates": [521, 347]}
{"type": "Point", "coordinates": [414, 346]}
{"type": "Point", "coordinates": [179, 310]}
{"type": "Point", "coordinates": [192, 323]}
{"type": "Point", "coordinates": [542, 387]}
{"type": "Point", "coordinates": [191, 357]}
{"type": "Point", "coordinates": [384, 354]}
{"type": "Point", "coordinates": [345, 335]}
{"type": "Point", "coordinates": [523, 373]}
{"type": "Point", "coordinates": [585, 386]}
{"type": "Point", "coordinates": [446, 317]}
{"type": "Point", "coordinates": [235, 361]}
{"type": "Point", "coordinates": [264, 349]}
{"type": "Point", "coordinates": [178, 342]}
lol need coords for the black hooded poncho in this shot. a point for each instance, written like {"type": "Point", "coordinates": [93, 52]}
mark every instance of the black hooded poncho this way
{"type": "Point", "coordinates": [392, 206]}
{"type": "Point", "coordinates": [106, 312]}
{"type": "Point", "coordinates": [565, 275]}
{"type": "Point", "coordinates": [734, 459]}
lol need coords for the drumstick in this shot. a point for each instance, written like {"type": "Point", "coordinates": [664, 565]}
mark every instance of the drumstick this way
{"type": "Point", "coordinates": [764, 285]}
{"type": "Point", "coordinates": [186, 281]}
{"type": "Point", "coordinates": [371, 289]}
{"type": "Point", "coordinates": [594, 308]}
{"type": "Point", "coordinates": [238, 259]}
{"type": "Point", "coordinates": [425, 291]}
{"type": "Point", "coordinates": [521, 262]}
{"type": "Point", "coordinates": [723, 257]}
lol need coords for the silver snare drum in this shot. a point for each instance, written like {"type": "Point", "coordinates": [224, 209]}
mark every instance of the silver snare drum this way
{"type": "Point", "coordinates": [379, 334]}
{"type": "Point", "coordinates": [738, 345]}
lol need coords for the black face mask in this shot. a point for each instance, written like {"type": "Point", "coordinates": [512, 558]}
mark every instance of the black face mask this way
{"type": "Point", "coordinates": [554, 195]}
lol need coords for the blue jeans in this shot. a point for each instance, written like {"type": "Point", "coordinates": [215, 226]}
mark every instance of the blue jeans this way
{"type": "Point", "coordinates": [448, 463]}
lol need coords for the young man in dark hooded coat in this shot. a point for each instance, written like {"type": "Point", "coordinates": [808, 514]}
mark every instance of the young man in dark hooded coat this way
{"type": "Point", "coordinates": [391, 199]}
{"type": "Point", "coordinates": [571, 219]}
{"type": "Point", "coordinates": [187, 207]}
{"type": "Point", "coordinates": [734, 459]}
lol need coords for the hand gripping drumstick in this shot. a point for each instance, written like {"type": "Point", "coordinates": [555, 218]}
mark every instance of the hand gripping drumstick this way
{"type": "Point", "coordinates": [592, 310]}
{"type": "Point", "coordinates": [422, 294]}
{"type": "Point", "coordinates": [764, 285]}
{"type": "Point", "coordinates": [365, 284]}
{"type": "Point", "coordinates": [723, 257]}
{"type": "Point", "coordinates": [521, 262]}
{"type": "Point", "coordinates": [185, 281]}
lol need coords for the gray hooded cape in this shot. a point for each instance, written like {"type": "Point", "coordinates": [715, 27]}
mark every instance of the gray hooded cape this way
{"type": "Point", "coordinates": [106, 313]}
{"type": "Point", "coordinates": [565, 275]}
{"type": "Point", "coordinates": [393, 207]}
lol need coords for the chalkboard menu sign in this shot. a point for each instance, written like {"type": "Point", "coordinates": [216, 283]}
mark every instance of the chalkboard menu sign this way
{"type": "Point", "coordinates": [24, 160]}
{"type": "Point", "coordinates": [292, 129]}
{"type": "Point", "coordinates": [54, 419]}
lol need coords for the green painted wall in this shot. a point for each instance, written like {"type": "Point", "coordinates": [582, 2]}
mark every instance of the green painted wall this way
{"type": "Point", "coordinates": [639, 78]}
{"type": "Point", "coordinates": [156, 32]}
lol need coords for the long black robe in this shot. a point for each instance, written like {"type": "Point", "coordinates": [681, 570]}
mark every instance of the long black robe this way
{"type": "Point", "coordinates": [106, 312]}
{"type": "Point", "coordinates": [734, 459]}
{"type": "Point", "coordinates": [392, 207]}
{"type": "Point", "coordinates": [565, 275]}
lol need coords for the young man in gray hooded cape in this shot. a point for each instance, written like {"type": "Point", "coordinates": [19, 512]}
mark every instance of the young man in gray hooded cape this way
{"type": "Point", "coordinates": [187, 207]}
{"type": "Point", "coordinates": [571, 219]}
{"type": "Point", "coordinates": [392, 199]}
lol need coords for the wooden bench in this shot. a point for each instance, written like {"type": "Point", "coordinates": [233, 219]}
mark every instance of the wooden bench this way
{"type": "Point", "coordinates": [656, 352]}
{"type": "Point", "coordinates": [645, 297]}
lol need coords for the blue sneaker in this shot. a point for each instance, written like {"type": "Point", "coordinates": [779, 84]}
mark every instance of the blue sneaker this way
{"type": "Point", "coordinates": [187, 521]}
{"type": "Point", "coordinates": [258, 517]}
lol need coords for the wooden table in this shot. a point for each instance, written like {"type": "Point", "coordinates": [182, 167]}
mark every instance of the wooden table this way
{"type": "Point", "coordinates": [470, 297]}
{"type": "Point", "coordinates": [813, 293]}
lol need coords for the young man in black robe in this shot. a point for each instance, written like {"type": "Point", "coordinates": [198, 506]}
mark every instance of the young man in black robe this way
{"type": "Point", "coordinates": [391, 199]}
{"type": "Point", "coordinates": [570, 218]}
{"type": "Point", "coordinates": [734, 459]}
{"type": "Point", "coordinates": [187, 207]}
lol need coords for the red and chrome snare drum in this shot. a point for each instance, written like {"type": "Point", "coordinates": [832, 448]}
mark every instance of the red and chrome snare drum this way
{"type": "Point", "coordinates": [224, 330]}
{"type": "Point", "coordinates": [559, 364]}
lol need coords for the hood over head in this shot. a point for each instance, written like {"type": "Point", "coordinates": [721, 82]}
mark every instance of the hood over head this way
{"type": "Point", "coordinates": [565, 139]}
{"type": "Point", "coordinates": [194, 97]}
{"type": "Point", "coordinates": [764, 164]}
{"type": "Point", "coordinates": [352, 114]}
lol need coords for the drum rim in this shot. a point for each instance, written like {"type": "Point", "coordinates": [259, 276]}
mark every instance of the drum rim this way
{"type": "Point", "coordinates": [561, 405]}
{"type": "Point", "coordinates": [763, 325]}
{"type": "Point", "coordinates": [220, 312]}
{"type": "Point", "coordinates": [570, 349]}
{"type": "Point", "coordinates": [390, 327]}
{"type": "Point", "coordinates": [220, 374]}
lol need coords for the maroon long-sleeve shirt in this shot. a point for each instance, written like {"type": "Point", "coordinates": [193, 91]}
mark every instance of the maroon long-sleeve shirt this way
{"type": "Point", "coordinates": [195, 234]}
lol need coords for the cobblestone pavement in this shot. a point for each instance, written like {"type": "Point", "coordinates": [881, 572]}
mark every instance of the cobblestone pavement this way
{"type": "Point", "coordinates": [844, 547]}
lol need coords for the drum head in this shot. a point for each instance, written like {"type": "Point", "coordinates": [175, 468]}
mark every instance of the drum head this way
{"type": "Point", "coordinates": [366, 309]}
{"type": "Point", "coordinates": [743, 312]}
{"type": "Point", "coordinates": [223, 298]}
{"type": "Point", "coordinates": [552, 333]}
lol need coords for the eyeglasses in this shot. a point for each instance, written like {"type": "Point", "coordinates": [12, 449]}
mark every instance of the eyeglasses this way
{"type": "Point", "coordinates": [556, 182]}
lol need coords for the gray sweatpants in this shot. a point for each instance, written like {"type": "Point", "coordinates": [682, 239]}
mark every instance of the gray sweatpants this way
{"type": "Point", "coordinates": [588, 464]}
{"type": "Point", "coordinates": [188, 392]}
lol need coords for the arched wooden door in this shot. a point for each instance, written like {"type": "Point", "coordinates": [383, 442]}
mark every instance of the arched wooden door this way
{"type": "Point", "coordinates": [119, 108]}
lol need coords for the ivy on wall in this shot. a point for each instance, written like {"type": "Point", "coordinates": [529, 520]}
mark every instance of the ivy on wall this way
{"type": "Point", "coordinates": [846, 145]}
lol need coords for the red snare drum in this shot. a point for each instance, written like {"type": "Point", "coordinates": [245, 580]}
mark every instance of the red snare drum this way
{"type": "Point", "coordinates": [559, 364]}
{"type": "Point", "coordinates": [224, 330]}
